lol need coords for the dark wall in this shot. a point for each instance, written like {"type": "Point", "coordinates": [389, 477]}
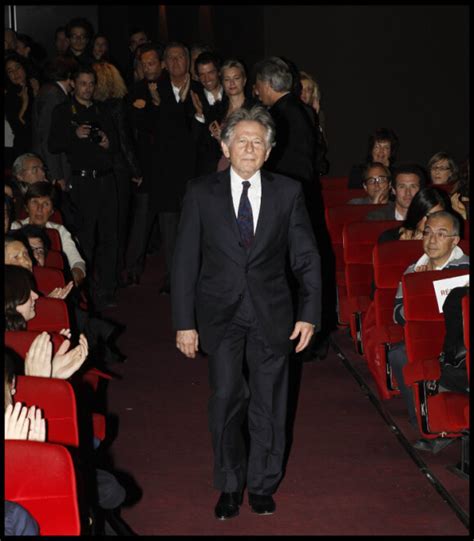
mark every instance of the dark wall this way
{"type": "Point", "coordinates": [404, 67]}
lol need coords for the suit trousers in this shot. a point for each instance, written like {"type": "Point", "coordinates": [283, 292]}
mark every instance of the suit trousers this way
{"type": "Point", "coordinates": [263, 398]}
{"type": "Point", "coordinates": [96, 220]}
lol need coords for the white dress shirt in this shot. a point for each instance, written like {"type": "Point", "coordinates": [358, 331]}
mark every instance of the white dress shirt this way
{"type": "Point", "coordinates": [210, 96]}
{"type": "Point", "coordinates": [254, 193]}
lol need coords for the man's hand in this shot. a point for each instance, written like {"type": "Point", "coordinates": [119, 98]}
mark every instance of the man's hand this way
{"type": "Point", "coordinates": [183, 91]}
{"type": "Point", "coordinates": [83, 131]}
{"type": "Point", "coordinates": [61, 182]}
{"type": "Point", "coordinates": [381, 197]}
{"type": "Point", "coordinates": [104, 142]}
{"type": "Point", "coordinates": [77, 275]}
{"type": "Point", "coordinates": [197, 103]}
{"type": "Point", "coordinates": [137, 181]}
{"type": "Point", "coordinates": [215, 130]}
{"type": "Point", "coordinates": [155, 95]}
{"type": "Point", "coordinates": [187, 342]}
{"type": "Point", "coordinates": [306, 330]}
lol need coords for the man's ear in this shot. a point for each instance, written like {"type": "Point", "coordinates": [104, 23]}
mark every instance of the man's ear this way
{"type": "Point", "coordinates": [364, 185]}
{"type": "Point", "coordinates": [392, 189]}
{"type": "Point", "coordinates": [225, 150]}
{"type": "Point", "coordinates": [456, 240]}
{"type": "Point", "coordinates": [268, 154]}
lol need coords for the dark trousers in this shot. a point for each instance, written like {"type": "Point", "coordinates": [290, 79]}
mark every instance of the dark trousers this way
{"type": "Point", "coordinates": [95, 218]}
{"type": "Point", "coordinates": [144, 218]}
{"type": "Point", "coordinates": [263, 398]}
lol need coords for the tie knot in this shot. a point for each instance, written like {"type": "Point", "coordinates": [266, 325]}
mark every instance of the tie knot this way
{"type": "Point", "coordinates": [246, 185]}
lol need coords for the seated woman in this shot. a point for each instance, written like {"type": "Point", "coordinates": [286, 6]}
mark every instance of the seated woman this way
{"type": "Point", "coordinates": [442, 168]}
{"type": "Point", "coordinates": [424, 203]}
{"type": "Point", "coordinates": [38, 241]}
{"type": "Point", "coordinates": [382, 148]}
{"type": "Point", "coordinates": [376, 182]}
{"type": "Point", "coordinates": [460, 191]}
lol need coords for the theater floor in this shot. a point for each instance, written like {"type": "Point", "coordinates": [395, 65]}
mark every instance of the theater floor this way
{"type": "Point", "coordinates": [348, 472]}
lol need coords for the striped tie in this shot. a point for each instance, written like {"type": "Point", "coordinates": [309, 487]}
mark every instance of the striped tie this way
{"type": "Point", "coordinates": [245, 217]}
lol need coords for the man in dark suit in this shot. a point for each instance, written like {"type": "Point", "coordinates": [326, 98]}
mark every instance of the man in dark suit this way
{"type": "Point", "coordinates": [54, 92]}
{"type": "Point", "coordinates": [230, 294]}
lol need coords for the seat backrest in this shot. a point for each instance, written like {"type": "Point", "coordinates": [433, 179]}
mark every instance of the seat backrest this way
{"type": "Point", "coordinates": [467, 342]}
{"type": "Point", "coordinates": [51, 315]}
{"type": "Point", "coordinates": [20, 341]}
{"type": "Point", "coordinates": [424, 328]}
{"type": "Point", "coordinates": [334, 183]}
{"type": "Point", "coordinates": [55, 260]}
{"type": "Point", "coordinates": [55, 239]}
{"type": "Point", "coordinates": [334, 198]}
{"type": "Point", "coordinates": [55, 397]}
{"type": "Point", "coordinates": [48, 279]}
{"type": "Point", "coordinates": [41, 478]}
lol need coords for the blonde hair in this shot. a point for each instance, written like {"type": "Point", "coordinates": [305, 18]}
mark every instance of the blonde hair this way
{"type": "Point", "coordinates": [316, 92]}
{"type": "Point", "coordinates": [110, 83]}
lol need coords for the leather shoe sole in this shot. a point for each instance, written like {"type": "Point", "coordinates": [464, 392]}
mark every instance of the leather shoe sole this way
{"type": "Point", "coordinates": [228, 505]}
{"type": "Point", "coordinates": [262, 504]}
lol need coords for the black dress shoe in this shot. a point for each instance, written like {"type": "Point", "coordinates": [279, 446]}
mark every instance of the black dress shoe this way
{"type": "Point", "coordinates": [262, 504]}
{"type": "Point", "coordinates": [228, 505]}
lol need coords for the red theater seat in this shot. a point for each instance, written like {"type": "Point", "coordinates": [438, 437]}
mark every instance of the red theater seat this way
{"type": "Point", "coordinates": [55, 397]}
{"type": "Point", "coordinates": [467, 340]}
{"type": "Point", "coordinates": [20, 341]}
{"type": "Point", "coordinates": [358, 239]}
{"type": "Point", "coordinates": [334, 183]}
{"type": "Point", "coordinates": [336, 218]}
{"type": "Point", "coordinates": [40, 477]}
{"type": "Point", "coordinates": [48, 279]}
{"type": "Point", "coordinates": [424, 332]}
{"type": "Point", "coordinates": [333, 198]}
{"type": "Point", "coordinates": [51, 315]}
{"type": "Point", "coordinates": [55, 260]}
{"type": "Point", "coordinates": [55, 239]}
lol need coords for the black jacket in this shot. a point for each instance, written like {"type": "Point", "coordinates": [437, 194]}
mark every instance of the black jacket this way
{"type": "Point", "coordinates": [212, 270]}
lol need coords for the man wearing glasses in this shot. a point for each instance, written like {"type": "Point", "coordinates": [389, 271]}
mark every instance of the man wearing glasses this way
{"type": "Point", "coordinates": [441, 251]}
{"type": "Point", "coordinates": [79, 32]}
{"type": "Point", "coordinates": [407, 182]}
{"type": "Point", "coordinates": [377, 185]}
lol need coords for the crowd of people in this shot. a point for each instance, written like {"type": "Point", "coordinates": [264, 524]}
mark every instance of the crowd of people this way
{"type": "Point", "coordinates": [101, 155]}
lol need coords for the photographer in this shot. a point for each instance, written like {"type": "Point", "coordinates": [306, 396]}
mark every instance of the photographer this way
{"type": "Point", "coordinates": [85, 132]}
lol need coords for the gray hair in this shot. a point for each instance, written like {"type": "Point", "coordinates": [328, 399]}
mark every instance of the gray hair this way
{"type": "Point", "coordinates": [455, 225]}
{"type": "Point", "coordinates": [276, 72]}
{"type": "Point", "coordinates": [19, 163]}
{"type": "Point", "coordinates": [232, 63]}
{"type": "Point", "coordinates": [256, 114]}
{"type": "Point", "coordinates": [176, 45]}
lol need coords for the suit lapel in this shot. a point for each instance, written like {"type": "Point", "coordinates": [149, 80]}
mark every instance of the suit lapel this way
{"type": "Point", "coordinates": [221, 189]}
{"type": "Point", "coordinates": [267, 207]}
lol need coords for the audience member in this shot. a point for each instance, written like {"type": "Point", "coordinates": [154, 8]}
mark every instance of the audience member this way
{"type": "Point", "coordinates": [90, 147]}
{"type": "Point", "coordinates": [39, 202]}
{"type": "Point", "coordinates": [137, 38]}
{"type": "Point", "coordinates": [20, 91]}
{"type": "Point", "coordinates": [441, 251]}
{"type": "Point", "coordinates": [195, 50]}
{"type": "Point", "coordinates": [425, 202]}
{"type": "Point", "coordinates": [382, 148]}
{"type": "Point", "coordinates": [61, 41]}
{"type": "Point", "coordinates": [101, 48]}
{"type": "Point", "coordinates": [460, 191]}
{"type": "Point", "coordinates": [8, 213]}
{"type": "Point", "coordinates": [39, 242]}
{"type": "Point", "coordinates": [79, 32]}
{"type": "Point", "coordinates": [18, 520]}
{"type": "Point", "coordinates": [33, 53]}
{"type": "Point", "coordinates": [377, 185]}
{"type": "Point", "coordinates": [111, 91]}
{"type": "Point", "coordinates": [10, 40]}
{"type": "Point", "coordinates": [442, 168]}
{"type": "Point", "coordinates": [407, 181]}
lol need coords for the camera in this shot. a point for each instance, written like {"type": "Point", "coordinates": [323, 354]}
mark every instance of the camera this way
{"type": "Point", "coordinates": [94, 134]}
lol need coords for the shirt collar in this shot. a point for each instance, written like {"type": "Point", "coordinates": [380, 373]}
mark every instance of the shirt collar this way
{"type": "Point", "coordinates": [236, 179]}
{"type": "Point", "coordinates": [62, 87]}
{"type": "Point", "coordinates": [210, 96]}
{"type": "Point", "coordinates": [456, 253]}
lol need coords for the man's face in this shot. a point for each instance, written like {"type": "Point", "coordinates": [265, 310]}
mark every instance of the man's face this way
{"type": "Point", "coordinates": [176, 62]}
{"type": "Point", "coordinates": [381, 152]}
{"type": "Point", "coordinates": [22, 49]}
{"type": "Point", "coordinates": [377, 184]}
{"type": "Point", "coordinates": [407, 185]}
{"type": "Point", "coordinates": [307, 90]}
{"type": "Point", "coordinates": [33, 171]}
{"type": "Point", "coordinates": [151, 65]}
{"type": "Point", "coordinates": [37, 246]}
{"type": "Point", "coordinates": [79, 39]}
{"type": "Point", "coordinates": [84, 86]}
{"type": "Point", "coordinates": [39, 210]}
{"type": "Point", "coordinates": [438, 242]}
{"type": "Point", "coordinates": [136, 40]}
{"type": "Point", "coordinates": [208, 76]}
{"type": "Point", "coordinates": [62, 42]}
{"type": "Point", "coordinates": [247, 149]}
{"type": "Point", "coordinates": [262, 90]}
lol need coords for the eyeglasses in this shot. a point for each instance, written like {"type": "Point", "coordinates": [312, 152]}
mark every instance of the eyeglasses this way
{"type": "Point", "coordinates": [440, 235]}
{"type": "Point", "coordinates": [440, 168]}
{"type": "Point", "coordinates": [382, 146]}
{"type": "Point", "coordinates": [376, 180]}
{"type": "Point", "coordinates": [78, 37]}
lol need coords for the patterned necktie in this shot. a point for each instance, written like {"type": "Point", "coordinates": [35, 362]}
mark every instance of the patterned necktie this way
{"type": "Point", "coordinates": [245, 217]}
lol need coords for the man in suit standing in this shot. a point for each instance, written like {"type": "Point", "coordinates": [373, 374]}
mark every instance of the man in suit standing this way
{"type": "Point", "coordinates": [230, 294]}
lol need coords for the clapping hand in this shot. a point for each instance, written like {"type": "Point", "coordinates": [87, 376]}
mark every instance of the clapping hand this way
{"type": "Point", "coordinates": [61, 292]}
{"type": "Point", "coordinates": [38, 357]}
{"type": "Point", "coordinates": [24, 424]}
{"type": "Point", "coordinates": [155, 96]}
{"type": "Point", "coordinates": [197, 103]}
{"type": "Point", "coordinates": [183, 91]}
{"type": "Point", "coordinates": [65, 362]}
{"type": "Point", "coordinates": [215, 130]}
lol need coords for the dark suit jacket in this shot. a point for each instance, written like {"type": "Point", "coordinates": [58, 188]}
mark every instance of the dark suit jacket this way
{"type": "Point", "coordinates": [294, 153]}
{"type": "Point", "coordinates": [211, 269]}
{"type": "Point", "coordinates": [49, 95]}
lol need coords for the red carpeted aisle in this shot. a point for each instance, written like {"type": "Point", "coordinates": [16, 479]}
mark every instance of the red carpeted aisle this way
{"type": "Point", "coordinates": [347, 474]}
